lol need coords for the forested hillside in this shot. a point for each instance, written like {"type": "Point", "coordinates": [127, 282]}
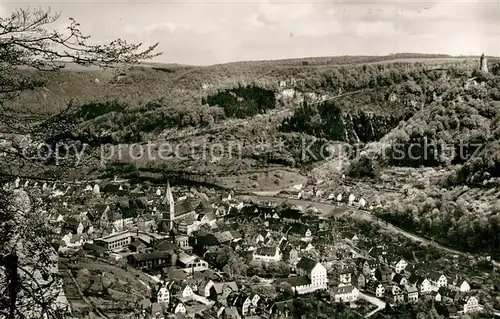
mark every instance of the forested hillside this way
{"type": "Point", "coordinates": [384, 105]}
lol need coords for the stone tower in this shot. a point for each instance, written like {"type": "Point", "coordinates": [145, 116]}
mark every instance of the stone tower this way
{"type": "Point", "coordinates": [484, 64]}
{"type": "Point", "coordinates": [168, 201]}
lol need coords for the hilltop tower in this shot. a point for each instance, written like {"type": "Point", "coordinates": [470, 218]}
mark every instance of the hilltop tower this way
{"type": "Point", "coordinates": [168, 201]}
{"type": "Point", "coordinates": [483, 64]}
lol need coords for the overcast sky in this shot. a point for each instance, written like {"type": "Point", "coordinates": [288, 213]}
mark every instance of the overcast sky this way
{"type": "Point", "coordinates": [207, 32]}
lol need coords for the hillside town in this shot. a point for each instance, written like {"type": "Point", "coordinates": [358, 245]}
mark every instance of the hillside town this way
{"type": "Point", "coordinates": [211, 254]}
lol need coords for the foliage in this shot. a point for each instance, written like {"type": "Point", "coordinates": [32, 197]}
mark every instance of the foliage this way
{"type": "Point", "coordinates": [242, 101]}
{"type": "Point", "coordinates": [30, 283]}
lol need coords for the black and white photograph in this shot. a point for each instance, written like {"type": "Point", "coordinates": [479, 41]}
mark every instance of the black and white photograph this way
{"type": "Point", "coordinates": [249, 159]}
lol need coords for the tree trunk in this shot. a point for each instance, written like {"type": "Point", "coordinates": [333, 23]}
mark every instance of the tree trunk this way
{"type": "Point", "coordinates": [12, 278]}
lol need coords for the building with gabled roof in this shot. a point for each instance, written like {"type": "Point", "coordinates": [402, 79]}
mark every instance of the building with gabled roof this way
{"type": "Point", "coordinates": [347, 293]}
{"type": "Point", "coordinates": [267, 254]}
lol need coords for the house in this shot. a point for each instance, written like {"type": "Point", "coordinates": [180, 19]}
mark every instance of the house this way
{"type": "Point", "coordinates": [262, 236]}
{"type": "Point", "coordinates": [138, 245]}
{"type": "Point", "coordinates": [163, 296]}
{"type": "Point", "coordinates": [146, 222]}
{"type": "Point", "coordinates": [315, 270]}
{"type": "Point", "coordinates": [399, 279]}
{"type": "Point", "coordinates": [242, 301]}
{"type": "Point", "coordinates": [267, 254]}
{"type": "Point", "coordinates": [469, 304]}
{"type": "Point", "coordinates": [345, 294]}
{"type": "Point", "coordinates": [291, 255]}
{"type": "Point", "coordinates": [411, 292]}
{"type": "Point", "coordinates": [94, 249]}
{"type": "Point", "coordinates": [224, 237]}
{"type": "Point", "coordinates": [460, 284]}
{"type": "Point", "coordinates": [206, 288]}
{"type": "Point", "coordinates": [368, 267]}
{"type": "Point", "coordinates": [423, 284]}
{"type": "Point", "coordinates": [396, 295]}
{"type": "Point", "coordinates": [182, 241]}
{"type": "Point", "coordinates": [399, 265]}
{"type": "Point", "coordinates": [345, 276]}
{"type": "Point", "coordinates": [300, 284]}
{"type": "Point", "coordinates": [436, 295]}
{"type": "Point", "coordinates": [186, 291]}
{"type": "Point", "coordinates": [281, 309]}
{"type": "Point", "coordinates": [383, 274]}
{"type": "Point", "coordinates": [375, 288]}
{"type": "Point", "coordinates": [226, 288]}
{"type": "Point", "coordinates": [191, 263]}
{"type": "Point", "coordinates": [298, 230]}
{"type": "Point", "coordinates": [437, 280]}
{"type": "Point", "coordinates": [177, 306]}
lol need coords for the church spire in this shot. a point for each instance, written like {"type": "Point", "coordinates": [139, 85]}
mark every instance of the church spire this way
{"type": "Point", "coordinates": [169, 198]}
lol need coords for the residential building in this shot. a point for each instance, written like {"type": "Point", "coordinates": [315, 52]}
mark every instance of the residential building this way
{"type": "Point", "coordinates": [460, 284]}
{"type": "Point", "coordinates": [437, 280]}
{"type": "Point", "coordinates": [396, 295]}
{"type": "Point", "coordinates": [469, 304]}
{"type": "Point", "coordinates": [383, 274]}
{"type": "Point", "coordinates": [399, 265]}
{"type": "Point", "coordinates": [345, 294]}
{"type": "Point", "coordinates": [163, 296]}
{"type": "Point", "coordinates": [411, 293]}
{"type": "Point", "coordinates": [191, 263]}
{"type": "Point", "coordinates": [267, 254]}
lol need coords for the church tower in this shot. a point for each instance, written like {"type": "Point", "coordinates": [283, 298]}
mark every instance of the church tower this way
{"type": "Point", "coordinates": [168, 202]}
{"type": "Point", "coordinates": [484, 64]}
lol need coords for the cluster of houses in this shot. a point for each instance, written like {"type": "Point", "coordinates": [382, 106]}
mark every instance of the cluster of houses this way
{"type": "Point", "coordinates": [396, 281]}
{"type": "Point", "coordinates": [178, 241]}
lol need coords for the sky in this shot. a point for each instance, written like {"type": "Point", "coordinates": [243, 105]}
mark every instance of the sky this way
{"type": "Point", "coordinates": [209, 32]}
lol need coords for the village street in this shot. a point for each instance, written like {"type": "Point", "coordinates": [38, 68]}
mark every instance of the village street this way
{"type": "Point", "coordinates": [373, 300]}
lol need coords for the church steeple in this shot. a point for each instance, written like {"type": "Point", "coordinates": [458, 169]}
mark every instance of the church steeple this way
{"type": "Point", "coordinates": [168, 200]}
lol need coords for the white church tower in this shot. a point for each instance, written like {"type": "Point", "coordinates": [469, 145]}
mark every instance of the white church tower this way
{"type": "Point", "coordinates": [168, 201]}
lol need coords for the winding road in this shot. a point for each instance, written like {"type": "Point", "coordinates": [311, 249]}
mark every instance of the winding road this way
{"type": "Point", "coordinates": [329, 209]}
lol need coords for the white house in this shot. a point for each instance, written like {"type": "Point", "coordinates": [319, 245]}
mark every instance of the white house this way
{"type": "Point", "coordinates": [204, 288]}
{"type": "Point", "coordinates": [163, 296]}
{"type": "Point", "coordinates": [437, 280]}
{"type": "Point", "coordinates": [339, 197]}
{"type": "Point", "coordinates": [180, 308]}
{"type": "Point", "coordinates": [187, 292]}
{"type": "Point", "coordinates": [424, 285]}
{"type": "Point", "coordinates": [351, 199]}
{"type": "Point", "coordinates": [192, 263]}
{"type": "Point", "coordinates": [262, 236]}
{"type": "Point", "coordinates": [255, 300]}
{"type": "Point", "coordinates": [470, 304]}
{"type": "Point", "coordinates": [345, 294]}
{"type": "Point", "coordinates": [316, 271]}
{"type": "Point", "coordinates": [460, 285]}
{"type": "Point", "coordinates": [399, 265]}
{"type": "Point", "coordinates": [267, 254]}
